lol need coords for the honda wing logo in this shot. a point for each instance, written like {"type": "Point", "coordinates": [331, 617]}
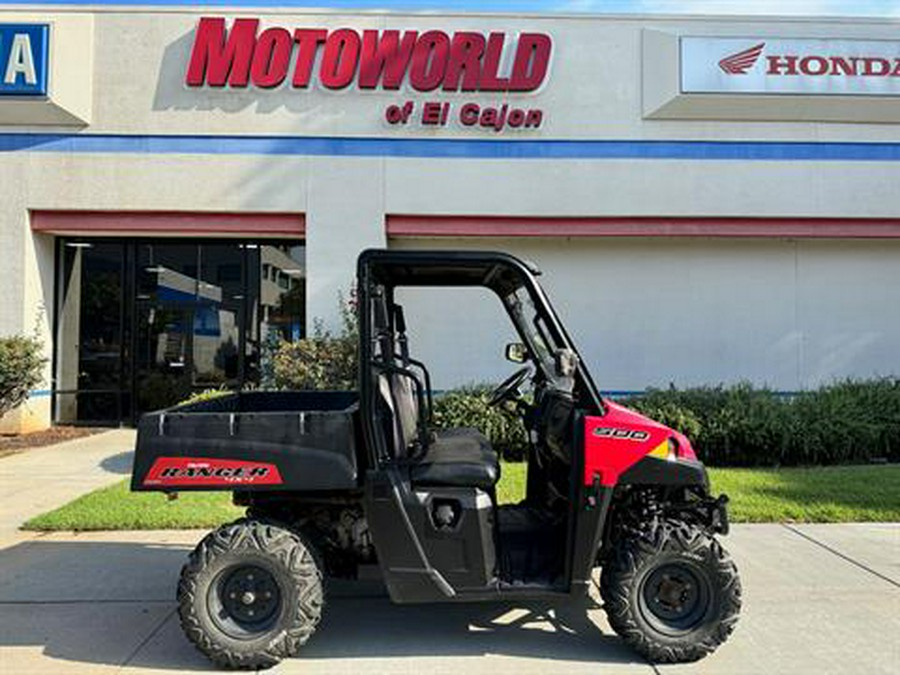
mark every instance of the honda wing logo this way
{"type": "Point", "coordinates": [740, 63]}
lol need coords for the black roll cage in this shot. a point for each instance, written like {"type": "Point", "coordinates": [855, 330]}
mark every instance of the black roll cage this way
{"type": "Point", "coordinates": [499, 272]}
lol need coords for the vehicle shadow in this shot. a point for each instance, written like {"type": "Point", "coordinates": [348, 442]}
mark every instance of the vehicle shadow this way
{"type": "Point", "coordinates": [377, 628]}
{"type": "Point", "coordinates": [112, 602]}
{"type": "Point", "coordinates": [120, 463]}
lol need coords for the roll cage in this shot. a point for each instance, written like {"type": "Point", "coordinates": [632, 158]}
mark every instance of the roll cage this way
{"type": "Point", "coordinates": [382, 329]}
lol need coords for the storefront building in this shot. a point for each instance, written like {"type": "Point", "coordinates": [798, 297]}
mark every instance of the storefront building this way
{"type": "Point", "coordinates": [711, 199]}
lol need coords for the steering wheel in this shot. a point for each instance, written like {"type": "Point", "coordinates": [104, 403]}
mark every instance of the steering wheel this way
{"type": "Point", "coordinates": [509, 386]}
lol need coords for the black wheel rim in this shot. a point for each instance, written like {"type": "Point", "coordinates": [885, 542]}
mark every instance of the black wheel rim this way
{"type": "Point", "coordinates": [245, 601]}
{"type": "Point", "coordinates": [675, 597]}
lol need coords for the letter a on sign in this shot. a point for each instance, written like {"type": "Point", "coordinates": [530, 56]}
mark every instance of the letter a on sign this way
{"type": "Point", "coordinates": [21, 61]}
{"type": "Point", "coordinates": [24, 59]}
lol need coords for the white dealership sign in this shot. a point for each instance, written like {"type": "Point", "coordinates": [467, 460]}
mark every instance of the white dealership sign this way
{"type": "Point", "coordinates": [762, 65]}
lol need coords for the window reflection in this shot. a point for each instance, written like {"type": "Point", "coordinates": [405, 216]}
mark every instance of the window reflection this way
{"type": "Point", "coordinates": [283, 291]}
{"type": "Point", "coordinates": [220, 300]}
{"type": "Point", "coordinates": [89, 326]}
{"type": "Point", "coordinates": [161, 319]}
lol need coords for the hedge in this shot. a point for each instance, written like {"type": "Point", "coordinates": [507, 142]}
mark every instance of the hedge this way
{"type": "Point", "coordinates": [468, 407]}
{"type": "Point", "coordinates": [845, 422]}
{"type": "Point", "coordinates": [851, 421]}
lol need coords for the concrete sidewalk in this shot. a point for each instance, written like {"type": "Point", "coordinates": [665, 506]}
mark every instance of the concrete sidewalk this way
{"type": "Point", "coordinates": [41, 479]}
{"type": "Point", "coordinates": [818, 599]}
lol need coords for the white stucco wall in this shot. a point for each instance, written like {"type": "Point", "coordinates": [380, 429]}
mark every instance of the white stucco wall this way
{"type": "Point", "coordinates": [795, 313]}
{"type": "Point", "coordinates": [790, 314]}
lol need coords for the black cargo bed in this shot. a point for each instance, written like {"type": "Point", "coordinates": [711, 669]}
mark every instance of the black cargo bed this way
{"type": "Point", "coordinates": [260, 440]}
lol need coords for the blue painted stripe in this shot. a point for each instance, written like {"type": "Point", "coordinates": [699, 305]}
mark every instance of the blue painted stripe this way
{"type": "Point", "coordinates": [636, 393]}
{"type": "Point", "coordinates": [448, 148]}
{"type": "Point", "coordinates": [37, 393]}
{"type": "Point", "coordinates": [622, 393]}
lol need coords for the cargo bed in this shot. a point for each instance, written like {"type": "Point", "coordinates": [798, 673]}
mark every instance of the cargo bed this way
{"type": "Point", "coordinates": [266, 440]}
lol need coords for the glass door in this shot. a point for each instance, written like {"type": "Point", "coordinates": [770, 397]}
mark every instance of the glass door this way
{"type": "Point", "coordinates": [90, 333]}
{"type": "Point", "coordinates": [165, 314]}
{"type": "Point", "coordinates": [218, 317]}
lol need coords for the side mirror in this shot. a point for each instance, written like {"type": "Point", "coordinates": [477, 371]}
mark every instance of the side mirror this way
{"type": "Point", "coordinates": [566, 362]}
{"type": "Point", "coordinates": [516, 352]}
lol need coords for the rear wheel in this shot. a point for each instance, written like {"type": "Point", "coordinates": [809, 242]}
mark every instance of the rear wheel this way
{"type": "Point", "coordinates": [250, 594]}
{"type": "Point", "coordinates": [672, 593]}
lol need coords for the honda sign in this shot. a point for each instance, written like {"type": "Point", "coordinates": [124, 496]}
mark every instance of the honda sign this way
{"type": "Point", "coordinates": [760, 65]}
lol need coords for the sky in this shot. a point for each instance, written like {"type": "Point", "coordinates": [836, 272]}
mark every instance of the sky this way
{"type": "Point", "coordinates": [859, 8]}
{"type": "Point", "coordinates": [882, 8]}
{"type": "Point", "coordinates": [867, 8]}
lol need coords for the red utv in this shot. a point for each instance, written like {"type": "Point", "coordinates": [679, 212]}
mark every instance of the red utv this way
{"type": "Point", "coordinates": [335, 480]}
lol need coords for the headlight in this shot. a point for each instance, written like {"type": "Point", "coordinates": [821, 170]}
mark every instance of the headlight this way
{"type": "Point", "coordinates": [673, 450]}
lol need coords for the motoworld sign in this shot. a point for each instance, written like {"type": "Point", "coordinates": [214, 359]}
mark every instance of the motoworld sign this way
{"type": "Point", "coordinates": [790, 66]}
{"type": "Point", "coordinates": [23, 59]}
{"type": "Point", "coordinates": [413, 61]}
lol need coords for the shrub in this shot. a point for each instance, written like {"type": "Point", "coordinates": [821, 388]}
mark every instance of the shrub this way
{"type": "Point", "coordinates": [849, 421]}
{"type": "Point", "coordinates": [21, 364]}
{"type": "Point", "coordinates": [270, 346]}
{"type": "Point", "coordinates": [321, 361]}
{"type": "Point", "coordinates": [468, 407]}
{"type": "Point", "coordinates": [204, 395]}
{"type": "Point", "coordinates": [671, 414]}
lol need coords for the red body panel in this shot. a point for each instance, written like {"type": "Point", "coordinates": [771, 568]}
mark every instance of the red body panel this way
{"type": "Point", "coordinates": [202, 472]}
{"type": "Point", "coordinates": [615, 441]}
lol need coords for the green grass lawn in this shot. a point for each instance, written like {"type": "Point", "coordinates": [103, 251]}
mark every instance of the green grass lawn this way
{"type": "Point", "coordinates": [836, 494]}
{"type": "Point", "coordinates": [819, 495]}
{"type": "Point", "coordinates": [117, 508]}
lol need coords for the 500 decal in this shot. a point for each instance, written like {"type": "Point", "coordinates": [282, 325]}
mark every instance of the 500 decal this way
{"type": "Point", "coordinates": [624, 434]}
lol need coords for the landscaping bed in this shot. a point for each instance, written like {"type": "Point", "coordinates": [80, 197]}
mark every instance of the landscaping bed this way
{"type": "Point", "coordinates": [36, 439]}
{"type": "Point", "coordinates": [819, 495]}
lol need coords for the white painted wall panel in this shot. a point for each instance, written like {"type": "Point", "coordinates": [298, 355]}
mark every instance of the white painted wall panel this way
{"type": "Point", "coordinates": [458, 333]}
{"type": "Point", "coordinates": [643, 187]}
{"type": "Point", "coordinates": [848, 304]}
{"type": "Point", "coordinates": [647, 312]}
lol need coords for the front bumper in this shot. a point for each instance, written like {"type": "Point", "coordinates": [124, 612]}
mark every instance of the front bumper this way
{"type": "Point", "coordinates": [719, 515]}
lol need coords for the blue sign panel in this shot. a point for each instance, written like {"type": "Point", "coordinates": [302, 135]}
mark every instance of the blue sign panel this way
{"type": "Point", "coordinates": [24, 50]}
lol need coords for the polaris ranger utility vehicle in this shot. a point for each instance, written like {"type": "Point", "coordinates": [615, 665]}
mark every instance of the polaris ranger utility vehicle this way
{"type": "Point", "coordinates": [333, 480]}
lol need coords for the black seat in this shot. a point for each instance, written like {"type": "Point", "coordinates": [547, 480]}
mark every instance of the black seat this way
{"type": "Point", "coordinates": [452, 457]}
{"type": "Point", "coordinates": [457, 458]}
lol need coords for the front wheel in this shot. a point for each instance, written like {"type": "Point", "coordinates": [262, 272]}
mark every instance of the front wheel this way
{"type": "Point", "coordinates": [672, 593]}
{"type": "Point", "coordinates": [250, 594]}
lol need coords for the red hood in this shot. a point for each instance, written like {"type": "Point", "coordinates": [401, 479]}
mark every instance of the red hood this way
{"type": "Point", "coordinates": [627, 415]}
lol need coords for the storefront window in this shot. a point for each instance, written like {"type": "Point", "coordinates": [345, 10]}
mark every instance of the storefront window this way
{"type": "Point", "coordinates": [151, 321]}
{"type": "Point", "coordinates": [283, 295]}
{"type": "Point", "coordinates": [217, 318]}
{"type": "Point", "coordinates": [165, 312]}
{"type": "Point", "coordinates": [89, 336]}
